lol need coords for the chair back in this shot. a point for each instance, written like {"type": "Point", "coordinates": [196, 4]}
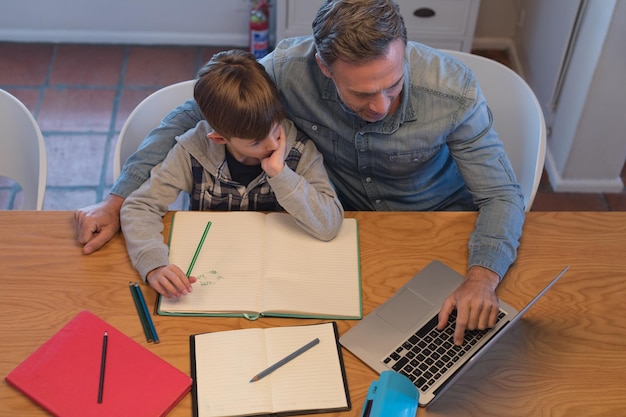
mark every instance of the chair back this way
{"type": "Point", "coordinates": [518, 119]}
{"type": "Point", "coordinates": [145, 117]}
{"type": "Point", "coordinates": [22, 151]}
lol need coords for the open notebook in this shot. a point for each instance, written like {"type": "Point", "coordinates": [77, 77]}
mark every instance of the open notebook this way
{"type": "Point", "coordinates": [254, 264]}
{"type": "Point", "coordinates": [223, 364]}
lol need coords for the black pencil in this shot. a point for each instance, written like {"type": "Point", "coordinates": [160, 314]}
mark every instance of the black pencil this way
{"type": "Point", "coordinates": [103, 361]}
{"type": "Point", "coordinates": [140, 312]}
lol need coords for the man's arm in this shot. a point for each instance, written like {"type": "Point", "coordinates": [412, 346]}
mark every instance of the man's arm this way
{"type": "Point", "coordinates": [493, 244]}
{"type": "Point", "coordinates": [98, 223]}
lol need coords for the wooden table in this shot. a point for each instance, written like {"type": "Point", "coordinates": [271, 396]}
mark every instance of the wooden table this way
{"type": "Point", "coordinates": [566, 358]}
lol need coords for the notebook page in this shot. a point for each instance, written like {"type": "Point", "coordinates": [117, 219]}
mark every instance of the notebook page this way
{"type": "Point", "coordinates": [229, 265]}
{"type": "Point", "coordinates": [225, 362]}
{"type": "Point", "coordinates": [312, 381]}
{"type": "Point", "coordinates": [320, 278]}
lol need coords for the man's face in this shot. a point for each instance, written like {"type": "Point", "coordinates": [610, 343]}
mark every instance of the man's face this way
{"type": "Point", "coordinates": [371, 90]}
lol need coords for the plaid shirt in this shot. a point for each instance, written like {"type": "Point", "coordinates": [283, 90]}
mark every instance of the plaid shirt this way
{"type": "Point", "coordinates": [221, 193]}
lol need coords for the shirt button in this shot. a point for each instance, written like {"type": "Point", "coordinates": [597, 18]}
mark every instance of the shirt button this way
{"type": "Point", "coordinates": [377, 201]}
{"type": "Point", "coordinates": [368, 179]}
{"type": "Point", "coordinates": [314, 127]}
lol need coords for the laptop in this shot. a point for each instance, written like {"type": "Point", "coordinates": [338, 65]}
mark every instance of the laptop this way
{"type": "Point", "coordinates": [401, 333]}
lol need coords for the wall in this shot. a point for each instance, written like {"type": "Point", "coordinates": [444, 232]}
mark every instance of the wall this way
{"type": "Point", "coordinates": [588, 145]}
{"type": "Point", "coordinates": [497, 19]}
{"type": "Point", "coordinates": [189, 22]}
{"type": "Point", "coordinates": [586, 149]}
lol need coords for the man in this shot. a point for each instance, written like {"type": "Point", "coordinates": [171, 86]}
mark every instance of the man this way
{"type": "Point", "coordinates": [401, 127]}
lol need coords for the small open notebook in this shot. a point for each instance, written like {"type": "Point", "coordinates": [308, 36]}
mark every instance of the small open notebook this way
{"type": "Point", "coordinates": [223, 363]}
{"type": "Point", "coordinates": [254, 264]}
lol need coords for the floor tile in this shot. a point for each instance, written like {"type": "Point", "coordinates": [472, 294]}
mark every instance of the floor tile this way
{"type": "Point", "coordinates": [108, 181]}
{"type": "Point", "coordinates": [550, 201]}
{"type": "Point", "coordinates": [159, 66]}
{"type": "Point", "coordinates": [28, 96]}
{"type": "Point", "coordinates": [616, 202]}
{"type": "Point", "coordinates": [497, 55]}
{"type": "Point", "coordinates": [11, 198]}
{"type": "Point", "coordinates": [96, 65]}
{"type": "Point", "coordinates": [129, 99]}
{"type": "Point", "coordinates": [75, 160]}
{"type": "Point", "coordinates": [85, 110]}
{"type": "Point", "coordinates": [6, 182]}
{"type": "Point", "coordinates": [23, 64]}
{"type": "Point", "coordinates": [66, 199]}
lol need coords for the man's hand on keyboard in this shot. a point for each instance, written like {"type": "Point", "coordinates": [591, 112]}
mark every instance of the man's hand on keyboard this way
{"type": "Point", "coordinates": [475, 302]}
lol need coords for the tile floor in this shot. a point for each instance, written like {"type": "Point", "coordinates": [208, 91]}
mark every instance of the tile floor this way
{"type": "Point", "coordinates": [81, 95]}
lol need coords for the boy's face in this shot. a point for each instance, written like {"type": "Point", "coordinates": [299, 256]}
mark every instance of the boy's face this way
{"type": "Point", "coordinates": [250, 151]}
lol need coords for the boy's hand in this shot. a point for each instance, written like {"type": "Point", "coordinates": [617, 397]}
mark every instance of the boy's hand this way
{"type": "Point", "coordinates": [170, 281]}
{"type": "Point", "coordinates": [275, 162]}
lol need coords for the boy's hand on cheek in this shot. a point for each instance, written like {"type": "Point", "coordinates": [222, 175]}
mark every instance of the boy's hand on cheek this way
{"type": "Point", "coordinates": [274, 163]}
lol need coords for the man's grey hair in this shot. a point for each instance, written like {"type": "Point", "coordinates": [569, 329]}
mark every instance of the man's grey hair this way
{"type": "Point", "coordinates": [356, 31]}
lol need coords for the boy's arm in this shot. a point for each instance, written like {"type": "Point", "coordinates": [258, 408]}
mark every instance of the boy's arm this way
{"type": "Point", "coordinates": [142, 213]}
{"type": "Point", "coordinates": [307, 193]}
{"type": "Point", "coordinates": [98, 223]}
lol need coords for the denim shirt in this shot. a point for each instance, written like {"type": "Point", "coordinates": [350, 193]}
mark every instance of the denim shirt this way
{"type": "Point", "coordinates": [437, 151]}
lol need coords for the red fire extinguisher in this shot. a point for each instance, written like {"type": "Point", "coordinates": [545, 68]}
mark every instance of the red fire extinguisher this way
{"type": "Point", "coordinates": [259, 28]}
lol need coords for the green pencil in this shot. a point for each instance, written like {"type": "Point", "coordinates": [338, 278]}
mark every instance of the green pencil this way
{"type": "Point", "coordinates": [198, 249]}
{"type": "Point", "coordinates": [140, 312]}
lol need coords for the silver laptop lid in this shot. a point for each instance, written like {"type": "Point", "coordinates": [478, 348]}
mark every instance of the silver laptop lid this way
{"type": "Point", "coordinates": [412, 306]}
{"type": "Point", "coordinates": [496, 334]}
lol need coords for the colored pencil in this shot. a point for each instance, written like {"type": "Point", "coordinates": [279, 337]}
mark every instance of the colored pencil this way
{"type": "Point", "coordinates": [142, 300]}
{"type": "Point", "coordinates": [140, 312]}
{"type": "Point", "coordinates": [198, 249]}
{"type": "Point", "coordinates": [284, 360]}
{"type": "Point", "coordinates": [103, 361]}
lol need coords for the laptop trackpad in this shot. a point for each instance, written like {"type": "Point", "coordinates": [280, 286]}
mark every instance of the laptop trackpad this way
{"type": "Point", "coordinates": [406, 309]}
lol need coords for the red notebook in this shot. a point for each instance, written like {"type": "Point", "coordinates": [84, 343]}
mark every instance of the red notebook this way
{"type": "Point", "coordinates": [63, 375]}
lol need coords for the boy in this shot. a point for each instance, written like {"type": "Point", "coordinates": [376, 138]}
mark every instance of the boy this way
{"type": "Point", "coordinates": [244, 156]}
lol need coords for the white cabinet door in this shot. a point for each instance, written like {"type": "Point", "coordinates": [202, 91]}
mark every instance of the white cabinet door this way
{"type": "Point", "coordinates": [446, 24]}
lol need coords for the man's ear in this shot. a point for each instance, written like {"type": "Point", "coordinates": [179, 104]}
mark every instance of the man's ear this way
{"type": "Point", "coordinates": [217, 138]}
{"type": "Point", "coordinates": [323, 67]}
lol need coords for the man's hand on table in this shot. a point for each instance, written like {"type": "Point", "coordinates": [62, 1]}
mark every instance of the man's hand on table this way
{"type": "Point", "coordinates": [98, 223]}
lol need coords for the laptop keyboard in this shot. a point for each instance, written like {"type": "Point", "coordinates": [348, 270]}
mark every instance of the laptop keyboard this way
{"type": "Point", "coordinates": [426, 355]}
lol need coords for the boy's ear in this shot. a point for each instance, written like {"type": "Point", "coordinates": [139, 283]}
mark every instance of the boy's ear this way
{"type": "Point", "coordinates": [217, 138]}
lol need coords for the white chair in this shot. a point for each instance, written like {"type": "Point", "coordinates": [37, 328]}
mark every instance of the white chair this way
{"type": "Point", "coordinates": [518, 119]}
{"type": "Point", "coordinates": [22, 151]}
{"type": "Point", "coordinates": [145, 117]}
